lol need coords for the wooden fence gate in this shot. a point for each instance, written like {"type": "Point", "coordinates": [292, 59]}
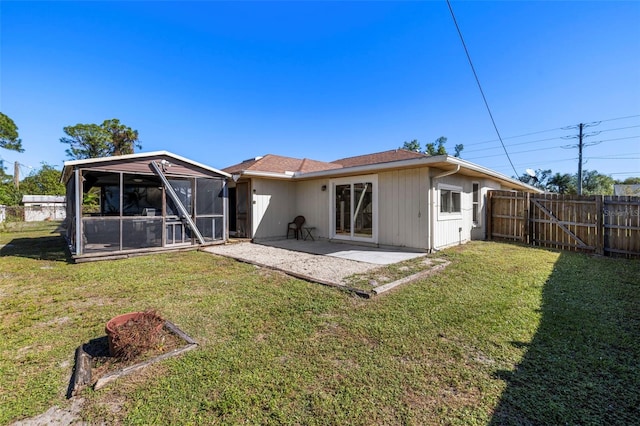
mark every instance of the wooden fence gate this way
{"type": "Point", "coordinates": [607, 225]}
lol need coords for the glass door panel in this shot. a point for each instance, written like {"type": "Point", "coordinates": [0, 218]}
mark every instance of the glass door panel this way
{"type": "Point", "coordinates": [343, 210]}
{"type": "Point", "coordinates": [363, 210]}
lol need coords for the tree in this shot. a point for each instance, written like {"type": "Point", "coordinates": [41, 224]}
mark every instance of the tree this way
{"type": "Point", "coordinates": [458, 149]}
{"type": "Point", "coordinates": [94, 141]}
{"type": "Point", "coordinates": [9, 134]}
{"type": "Point", "coordinates": [629, 181]}
{"type": "Point", "coordinates": [9, 195]}
{"type": "Point", "coordinates": [435, 148]}
{"type": "Point", "coordinates": [45, 181]}
{"type": "Point", "coordinates": [440, 149]}
{"type": "Point", "coordinates": [562, 184]}
{"type": "Point", "coordinates": [124, 139]}
{"type": "Point", "coordinates": [594, 183]}
{"type": "Point", "coordinates": [539, 180]}
{"type": "Point", "coordinates": [86, 141]}
{"type": "Point", "coordinates": [414, 145]}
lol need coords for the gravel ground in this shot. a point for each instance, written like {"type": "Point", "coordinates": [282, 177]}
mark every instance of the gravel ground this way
{"type": "Point", "coordinates": [56, 416]}
{"type": "Point", "coordinates": [325, 268]}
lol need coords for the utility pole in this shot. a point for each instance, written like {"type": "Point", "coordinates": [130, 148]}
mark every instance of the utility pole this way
{"type": "Point", "coordinates": [581, 136]}
{"type": "Point", "coordinates": [16, 175]}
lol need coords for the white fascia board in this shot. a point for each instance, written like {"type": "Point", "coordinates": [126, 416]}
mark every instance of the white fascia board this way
{"type": "Point", "coordinates": [271, 175]}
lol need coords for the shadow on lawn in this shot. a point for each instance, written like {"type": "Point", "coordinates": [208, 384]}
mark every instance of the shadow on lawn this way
{"type": "Point", "coordinates": [51, 248]}
{"type": "Point", "coordinates": [583, 364]}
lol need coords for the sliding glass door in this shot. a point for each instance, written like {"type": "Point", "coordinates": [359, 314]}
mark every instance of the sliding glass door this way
{"type": "Point", "coordinates": [354, 208]}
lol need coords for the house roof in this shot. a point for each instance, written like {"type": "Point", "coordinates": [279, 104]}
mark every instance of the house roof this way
{"type": "Point", "coordinates": [43, 199]}
{"type": "Point", "coordinates": [271, 163]}
{"type": "Point", "coordinates": [279, 167]}
{"type": "Point", "coordinates": [379, 157]}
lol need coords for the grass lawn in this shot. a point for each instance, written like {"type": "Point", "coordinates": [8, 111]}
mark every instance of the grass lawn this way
{"type": "Point", "coordinates": [505, 335]}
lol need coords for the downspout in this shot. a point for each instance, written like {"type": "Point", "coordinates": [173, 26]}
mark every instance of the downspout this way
{"type": "Point", "coordinates": [432, 192]}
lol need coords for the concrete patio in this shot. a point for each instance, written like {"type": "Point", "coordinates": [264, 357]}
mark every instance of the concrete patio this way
{"type": "Point", "coordinates": [325, 262]}
{"type": "Point", "coordinates": [343, 250]}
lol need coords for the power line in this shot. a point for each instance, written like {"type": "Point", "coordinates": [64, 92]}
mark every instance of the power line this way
{"type": "Point", "coordinates": [545, 140]}
{"type": "Point", "coordinates": [555, 129]}
{"type": "Point", "coordinates": [479, 85]}
{"type": "Point", "coordinates": [581, 135]}
{"type": "Point", "coordinates": [621, 118]}
{"type": "Point", "coordinates": [516, 152]}
{"type": "Point", "coordinates": [617, 156]}
{"type": "Point", "coordinates": [517, 144]}
{"type": "Point", "coordinates": [514, 137]}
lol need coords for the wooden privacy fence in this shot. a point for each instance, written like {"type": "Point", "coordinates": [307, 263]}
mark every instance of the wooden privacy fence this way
{"type": "Point", "coordinates": [607, 225]}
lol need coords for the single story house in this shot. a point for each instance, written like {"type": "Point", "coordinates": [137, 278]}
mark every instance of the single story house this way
{"type": "Point", "coordinates": [38, 208]}
{"type": "Point", "coordinates": [394, 198]}
{"type": "Point", "coordinates": [123, 205]}
{"type": "Point", "coordinates": [628, 190]}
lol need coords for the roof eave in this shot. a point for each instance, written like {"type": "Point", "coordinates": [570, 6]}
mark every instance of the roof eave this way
{"type": "Point", "coordinates": [270, 175]}
{"type": "Point", "coordinates": [436, 160]}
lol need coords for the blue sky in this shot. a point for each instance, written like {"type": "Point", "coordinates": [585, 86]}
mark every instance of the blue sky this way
{"type": "Point", "coordinates": [220, 82]}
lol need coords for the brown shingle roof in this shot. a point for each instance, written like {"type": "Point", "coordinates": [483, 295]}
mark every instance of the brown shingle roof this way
{"type": "Point", "coordinates": [379, 157]}
{"type": "Point", "coordinates": [278, 164]}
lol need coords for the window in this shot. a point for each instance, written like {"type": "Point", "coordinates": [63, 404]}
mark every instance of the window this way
{"type": "Point", "coordinates": [475, 209]}
{"type": "Point", "coordinates": [450, 200]}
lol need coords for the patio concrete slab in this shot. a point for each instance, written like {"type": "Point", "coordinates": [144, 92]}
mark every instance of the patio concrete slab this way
{"type": "Point", "coordinates": [375, 255]}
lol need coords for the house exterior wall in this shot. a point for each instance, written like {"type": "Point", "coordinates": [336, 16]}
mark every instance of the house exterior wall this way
{"type": "Point", "coordinates": [479, 232]}
{"type": "Point", "coordinates": [44, 211]}
{"type": "Point", "coordinates": [451, 229]}
{"type": "Point", "coordinates": [313, 203]}
{"type": "Point", "coordinates": [408, 208]}
{"type": "Point", "coordinates": [403, 208]}
{"type": "Point", "coordinates": [273, 205]}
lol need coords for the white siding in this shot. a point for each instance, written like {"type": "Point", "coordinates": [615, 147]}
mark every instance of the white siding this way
{"type": "Point", "coordinates": [479, 232]}
{"type": "Point", "coordinates": [42, 212]}
{"type": "Point", "coordinates": [403, 208]}
{"type": "Point", "coordinates": [450, 230]}
{"type": "Point", "coordinates": [313, 203]}
{"type": "Point", "coordinates": [273, 205]}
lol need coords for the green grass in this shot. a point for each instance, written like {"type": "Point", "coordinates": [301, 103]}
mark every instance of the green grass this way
{"type": "Point", "coordinates": [505, 335]}
{"type": "Point", "coordinates": [395, 271]}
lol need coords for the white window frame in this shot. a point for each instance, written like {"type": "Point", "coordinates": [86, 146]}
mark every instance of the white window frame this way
{"type": "Point", "coordinates": [476, 204]}
{"type": "Point", "coordinates": [332, 207]}
{"type": "Point", "coordinates": [452, 189]}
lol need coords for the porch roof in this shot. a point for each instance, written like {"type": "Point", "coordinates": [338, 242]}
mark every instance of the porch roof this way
{"type": "Point", "coordinates": [70, 165]}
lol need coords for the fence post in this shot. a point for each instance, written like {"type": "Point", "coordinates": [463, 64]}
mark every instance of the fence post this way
{"type": "Point", "coordinates": [489, 218]}
{"type": "Point", "coordinates": [600, 225]}
{"type": "Point", "coordinates": [528, 224]}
